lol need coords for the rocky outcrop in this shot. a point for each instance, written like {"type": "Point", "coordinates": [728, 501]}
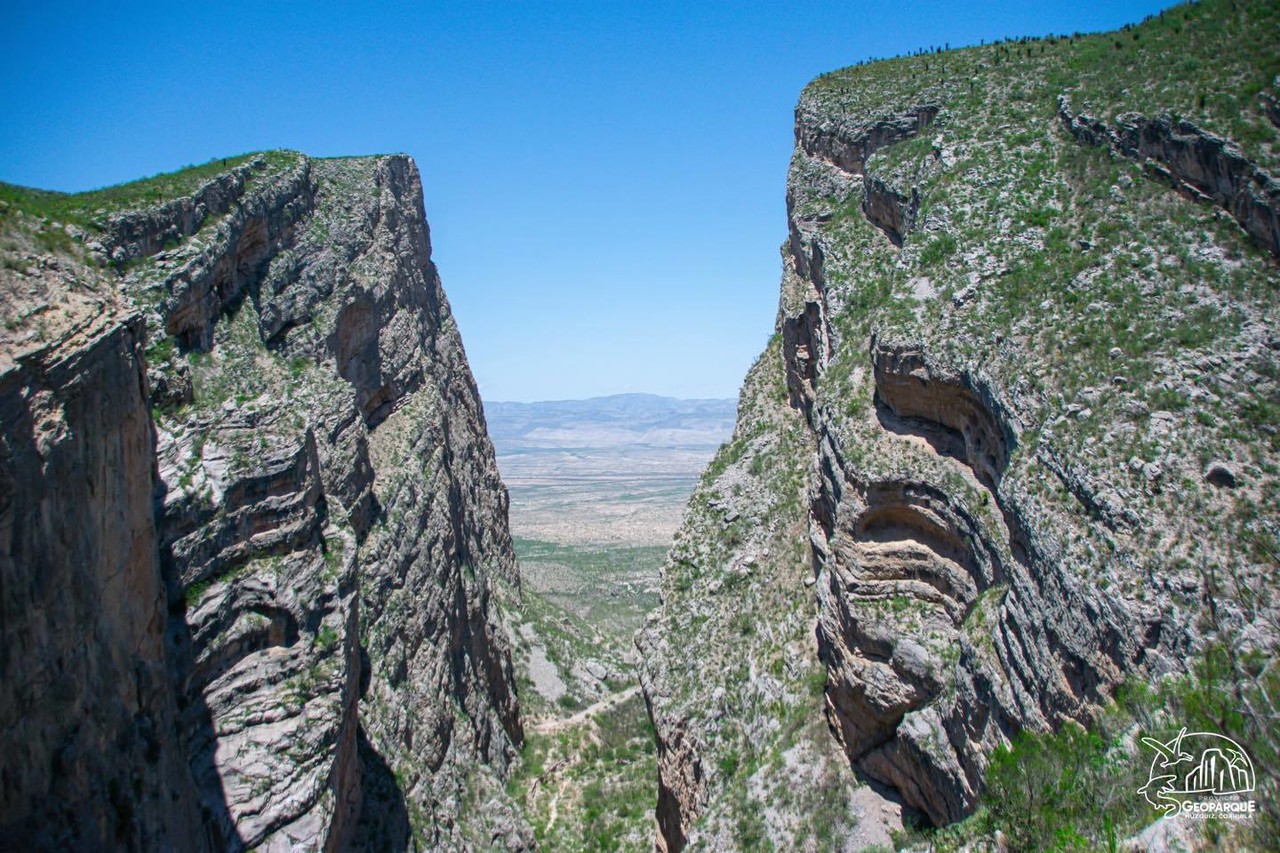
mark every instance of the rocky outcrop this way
{"type": "Point", "coordinates": [391, 472]}
{"type": "Point", "coordinates": [848, 144]}
{"type": "Point", "coordinates": [139, 233]}
{"type": "Point", "coordinates": [944, 629]}
{"type": "Point", "coordinates": [247, 500]}
{"type": "Point", "coordinates": [1084, 128]}
{"type": "Point", "coordinates": [1199, 164]}
{"type": "Point", "coordinates": [803, 340]}
{"type": "Point", "coordinates": [729, 660]}
{"type": "Point", "coordinates": [321, 521]}
{"type": "Point", "coordinates": [681, 788]}
{"type": "Point", "coordinates": [938, 625]}
{"type": "Point", "coordinates": [950, 614]}
{"type": "Point", "coordinates": [891, 211]}
{"type": "Point", "coordinates": [203, 284]}
{"type": "Point", "coordinates": [1270, 102]}
{"type": "Point", "coordinates": [1018, 433]}
{"type": "Point", "coordinates": [267, 646]}
{"type": "Point", "coordinates": [959, 416]}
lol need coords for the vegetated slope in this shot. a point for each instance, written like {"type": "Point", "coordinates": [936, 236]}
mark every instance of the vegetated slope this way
{"type": "Point", "coordinates": [604, 481]}
{"type": "Point", "coordinates": [585, 779]}
{"type": "Point", "coordinates": [1019, 429]}
{"type": "Point", "coordinates": [253, 521]}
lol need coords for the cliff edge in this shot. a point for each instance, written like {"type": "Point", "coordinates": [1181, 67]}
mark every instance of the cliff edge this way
{"type": "Point", "coordinates": [253, 522]}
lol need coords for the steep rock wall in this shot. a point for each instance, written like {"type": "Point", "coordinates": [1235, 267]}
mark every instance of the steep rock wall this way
{"type": "Point", "coordinates": [374, 482]}
{"type": "Point", "coordinates": [92, 759]}
{"type": "Point", "coordinates": [324, 527]}
{"type": "Point", "coordinates": [730, 673]}
{"type": "Point", "coordinates": [1023, 416]}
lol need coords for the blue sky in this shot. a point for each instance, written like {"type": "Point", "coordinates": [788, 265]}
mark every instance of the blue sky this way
{"type": "Point", "coordinates": [604, 181]}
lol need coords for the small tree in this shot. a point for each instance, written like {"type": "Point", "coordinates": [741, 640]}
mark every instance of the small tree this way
{"type": "Point", "coordinates": [1074, 790]}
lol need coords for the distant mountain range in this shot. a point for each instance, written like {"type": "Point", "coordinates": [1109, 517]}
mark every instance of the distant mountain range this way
{"type": "Point", "coordinates": [619, 420]}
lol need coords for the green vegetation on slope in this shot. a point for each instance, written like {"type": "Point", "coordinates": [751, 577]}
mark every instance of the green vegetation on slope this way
{"type": "Point", "coordinates": [732, 658]}
{"type": "Point", "coordinates": [609, 586]}
{"type": "Point", "coordinates": [568, 642]}
{"type": "Point", "coordinates": [1128, 328]}
{"type": "Point", "coordinates": [1206, 62]}
{"type": "Point", "coordinates": [1103, 297]}
{"type": "Point", "coordinates": [88, 209]}
{"type": "Point", "coordinates": [1078, 789]}
{"type": "Point", "coordinates": [589, 786]}
{"type": "Point", "coordinates": [1130, 325]}
{"type": "Point", "coordinates": [585, 776]}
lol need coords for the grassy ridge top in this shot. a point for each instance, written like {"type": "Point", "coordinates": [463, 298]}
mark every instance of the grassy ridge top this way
{"type": "Point", "coordinates": [87, 208]}
{"type": "Point", "coordinates": [1205, 62]}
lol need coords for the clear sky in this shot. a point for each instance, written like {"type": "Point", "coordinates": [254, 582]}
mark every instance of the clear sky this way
{"type": "Point", "coordinates": [604, 180]}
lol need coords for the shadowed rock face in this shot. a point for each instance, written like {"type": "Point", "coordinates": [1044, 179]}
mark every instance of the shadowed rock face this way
{"type": "Point", "coordinates": [909, 564]}
{"type": "Point", "coordinates": [296, 585]}
{"type": "Point", "coordinates": [206, 282]}
{"type": "Point", "coordinates": [892, 212]}
{"type": "Point", "coordinates": [1270, 102]}
{"type": "Point", "coordinates": [955, 417]}
{"type": "Point", "coordinates": [137, 234]}
{"type": "Point", "coordinates": [944, 630]}
{"type": "Point", "coordinates": [88, 721]}
{"type": "Point", "coordinates": [680, 787]}
{"type": "Point", "coordinates": [848, 143]}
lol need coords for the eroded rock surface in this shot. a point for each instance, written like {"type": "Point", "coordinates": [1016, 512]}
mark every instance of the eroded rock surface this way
{"type": "Point", "coordinates": [891, 211]}
{"type": "Point", "coordinates": [297, 624]}
{"type": "Point", "coordinates": [92, 757]}
{"type": "Point", "coordinates": [1194, 161]}
{"type": "Point", "coordinates": [849, 143]}
{"type": "Point", "coordinates": [994, 466]}
{"type": "Point", "coordinates": [939, 624]}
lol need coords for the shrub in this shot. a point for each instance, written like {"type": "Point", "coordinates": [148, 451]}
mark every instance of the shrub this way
{"type": "Point", "coordinates": [938, 250]}
{"type": "Point", "coordinates": [1074, 790]}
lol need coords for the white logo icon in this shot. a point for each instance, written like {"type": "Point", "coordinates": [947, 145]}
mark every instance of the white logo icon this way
{"type": "Point", "coordinates": [1197, 773]}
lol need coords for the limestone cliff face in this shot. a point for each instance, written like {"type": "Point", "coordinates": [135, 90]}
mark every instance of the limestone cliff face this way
{"type": "Point", "coordinates": [92, 758]}
{"type": "Point", "coordinates": [320, 520]}
{"type": "Point", "coordinates": [1036, 369]}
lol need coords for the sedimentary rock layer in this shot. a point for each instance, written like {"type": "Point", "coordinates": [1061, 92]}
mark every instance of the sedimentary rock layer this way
{"type": "Point", "coordinates": [1023, 417]}
{"type": "Point", "coordinates": [88, 720]}
{"type": "Point", "coordinates": [286, 542]}
{"type": "Point", "coordinates": [1201, 164]}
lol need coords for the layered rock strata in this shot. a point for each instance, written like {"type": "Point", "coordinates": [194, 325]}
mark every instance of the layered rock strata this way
{"type": "Point", "coordinates": [1016, 426]}
{"type": "Point", "coordinates": [319, 517]}
{"type": "Point", "coordinates": [88, 721]}
{"type": "Point", "coordinates": [1201, 164]}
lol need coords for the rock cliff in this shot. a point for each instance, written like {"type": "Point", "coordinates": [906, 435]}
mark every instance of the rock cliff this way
{"type": "Point", "coordinates": [1024, 387]}
{"type": "Point", "coordinates": [92, 754]}
{"type": "Point", "coordinates": [252, 522]}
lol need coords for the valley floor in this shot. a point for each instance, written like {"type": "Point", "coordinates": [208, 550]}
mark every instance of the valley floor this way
{"type": "Point", "coordinates": [592, 524]}
{"type": "Point", "coordinates": [588, 770]}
